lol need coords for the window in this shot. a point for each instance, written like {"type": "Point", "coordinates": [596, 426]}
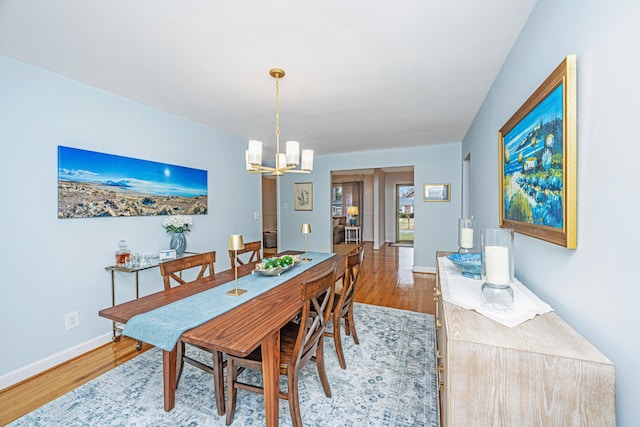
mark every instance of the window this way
{"type": "Point", "coordinates": [404, 213]}
{"type": "Point", "coordinates": [336, 200]}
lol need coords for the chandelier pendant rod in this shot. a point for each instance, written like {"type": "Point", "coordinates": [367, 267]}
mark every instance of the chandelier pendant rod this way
{"type": "Point", "coordinates": [277, 77]}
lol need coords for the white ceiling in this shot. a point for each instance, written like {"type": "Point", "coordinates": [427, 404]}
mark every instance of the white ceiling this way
{"type": "Point", "coordinates": [361, 74]}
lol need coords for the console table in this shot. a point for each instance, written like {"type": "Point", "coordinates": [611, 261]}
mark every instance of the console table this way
{"type": "Point", "coordinates": [154, 262]}
{"type": "Point", "coordinates": [352, 234]}
{"type": "Point", "coordinates": [540, 372]}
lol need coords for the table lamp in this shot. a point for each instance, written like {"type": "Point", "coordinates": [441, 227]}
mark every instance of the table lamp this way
{"type": "Point", "coordinates": [306, 230]}
{"type": "Point", "coordinates": [235, 244]}
{"type": "Point", "coordinates": [353, 211]}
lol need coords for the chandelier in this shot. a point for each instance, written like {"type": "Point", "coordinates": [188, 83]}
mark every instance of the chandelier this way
{"type": "Point", "coordinates": [285, 162]}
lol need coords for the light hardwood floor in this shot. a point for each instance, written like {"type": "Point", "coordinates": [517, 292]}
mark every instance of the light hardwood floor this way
{"type": "Point", "coordinates": [387, 280]}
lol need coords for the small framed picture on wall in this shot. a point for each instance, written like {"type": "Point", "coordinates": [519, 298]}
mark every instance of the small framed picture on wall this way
{"type": "Point", "coordinates": [303, 196]}
{"type": "Point", "coordinates": [437, 193]}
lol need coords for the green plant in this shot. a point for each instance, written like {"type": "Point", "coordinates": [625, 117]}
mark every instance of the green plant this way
{"type": "Point", "coordinates": [520, 209]}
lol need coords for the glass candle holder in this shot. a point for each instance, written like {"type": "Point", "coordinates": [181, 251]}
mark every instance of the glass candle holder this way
{"type": "Point", "coordinates": [466, 227]}
{"type": "Point", "coordinates": [497, 269]}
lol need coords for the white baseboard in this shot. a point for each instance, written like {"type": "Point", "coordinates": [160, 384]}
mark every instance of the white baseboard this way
{"type": "Point", "coordinates": [429, 270]}
{"type": "Point", "coordinates": [39, 366]}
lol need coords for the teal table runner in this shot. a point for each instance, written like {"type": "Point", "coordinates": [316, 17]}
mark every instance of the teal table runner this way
{"type": "Point", "coordinates": [163, 326]}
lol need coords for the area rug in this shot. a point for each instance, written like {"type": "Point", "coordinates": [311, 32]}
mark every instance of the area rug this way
{"type": "Point", "coordinates": [390, 380]}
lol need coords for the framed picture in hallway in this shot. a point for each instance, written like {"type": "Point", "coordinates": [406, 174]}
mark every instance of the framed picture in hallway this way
{"type": "Point", "coordinates": [303, 196]}
{"type": "Point", "coordinates": [537, 161]}
{"type": "Point", "coordinates": [437, 192]}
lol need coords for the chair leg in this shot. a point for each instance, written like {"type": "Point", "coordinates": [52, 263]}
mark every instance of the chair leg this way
{"type": "Point", "coordinates": [232, 391]}
{"type": "Point", "coordinates": [180, 362]}
{"type": "Point", "coordinates": [337, 339]}
{"type": "Point", "coordinates": [292, 396]}
{"type": "Point", "coordinates": [322, 372]}
{"type": "Point", "coordinates": [352, 325]}
{"type": "Point", "coordinates": [218, 381]}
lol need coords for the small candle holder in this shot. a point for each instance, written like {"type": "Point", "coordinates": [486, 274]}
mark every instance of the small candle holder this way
{"type": "Point", "coordinates": [497, 269]}
{"type": "Point", "coordinates": [466, 227]}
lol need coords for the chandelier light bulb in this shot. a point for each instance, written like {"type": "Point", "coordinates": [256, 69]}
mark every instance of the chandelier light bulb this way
{"type": "Point", "coordinates": [293, 153]}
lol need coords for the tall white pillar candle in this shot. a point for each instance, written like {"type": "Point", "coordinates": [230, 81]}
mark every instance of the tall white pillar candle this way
{"type": "Point", "coordinates": [497, 265]}
{"type": "Point", "coordinates": [466, 238]}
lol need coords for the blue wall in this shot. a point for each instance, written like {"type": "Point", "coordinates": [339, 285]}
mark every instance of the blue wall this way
{"type": "Point", "coordinates": [51, 267]}
{"type": "Point", "coordinates": [435, 223]}
{"type": "Point", "coordinates": [595, 287]}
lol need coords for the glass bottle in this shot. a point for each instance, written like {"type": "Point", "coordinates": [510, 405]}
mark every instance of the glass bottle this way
{"type": "Point", "coordinates": [123, 254]}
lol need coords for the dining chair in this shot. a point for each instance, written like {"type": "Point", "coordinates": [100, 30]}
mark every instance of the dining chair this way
{"type": "Point", "coordinates": [252, 247]}
{"type": "Point", "coordinates": [343, 302]}
{"type": "Point", "coordinates": [299, 342]}
{"type": "Point", "coordinates": [172, 271]}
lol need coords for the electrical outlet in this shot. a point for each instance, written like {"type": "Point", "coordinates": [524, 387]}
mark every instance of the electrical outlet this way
{"type": "Point", "coordinates": [256, 215]}
{"type": "Point", "coordinates": [72, 320]}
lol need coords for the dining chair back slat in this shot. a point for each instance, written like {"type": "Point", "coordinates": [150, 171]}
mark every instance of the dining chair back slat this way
{"type": "Point", "coordinates": [254, 248]}
{"type": "Point", "coordinates": [300, 341]}
{"type": "Point", "coordinates": [172, 270]}
{"type": "Point", "coordinates": [315, 315]}
{"type": "Point", "coordinates": [343, 303]}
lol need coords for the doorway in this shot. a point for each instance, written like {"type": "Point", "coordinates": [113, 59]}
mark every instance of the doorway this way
{"type": "Point", "coordinates": [269, 215]}
{"type": "Point", "coordinates": [404, 213]}
{"type": "Point", "coordinates": [466, 187]}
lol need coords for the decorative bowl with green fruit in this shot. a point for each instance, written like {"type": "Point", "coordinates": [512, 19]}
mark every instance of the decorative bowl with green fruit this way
{"type": "Point", "coordinates": [275, 266]}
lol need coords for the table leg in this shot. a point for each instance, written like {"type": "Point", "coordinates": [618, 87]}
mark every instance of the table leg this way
{"type": "Point", "coordinates": [115, 337]}
{"type": "Point", "coordinates": [271, 377]}
{"type": "Point", "coordinates": [169, 359]}
{"type": "Point", "coordinates": [139, 343]}
{"type": "Point", "coordinates": [137, 287]}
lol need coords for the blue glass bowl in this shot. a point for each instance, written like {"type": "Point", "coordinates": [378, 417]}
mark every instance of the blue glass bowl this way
{"type": "Point", "coordinates": [468, 264]}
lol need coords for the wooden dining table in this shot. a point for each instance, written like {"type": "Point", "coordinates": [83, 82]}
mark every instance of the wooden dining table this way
{"type": "Point", "coordinates": [238, 331]}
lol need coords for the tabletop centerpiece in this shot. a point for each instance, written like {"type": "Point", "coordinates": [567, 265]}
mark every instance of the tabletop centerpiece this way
{"type": "Point", "coordinates": [178, 224]}
{"type": "Point", "coordinates": [275, 266]}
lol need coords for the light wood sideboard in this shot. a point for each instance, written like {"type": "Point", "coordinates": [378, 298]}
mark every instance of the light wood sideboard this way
{"type": "Point", "coordinates": [539, 373]}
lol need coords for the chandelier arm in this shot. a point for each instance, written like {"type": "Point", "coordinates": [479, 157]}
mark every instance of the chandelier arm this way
{"type": "Point", "coordinates": [261, 167]}
{"type": "Point", "coordinates": [296, 171]}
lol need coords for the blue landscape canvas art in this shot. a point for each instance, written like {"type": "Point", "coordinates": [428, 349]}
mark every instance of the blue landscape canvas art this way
{"type": "Point", "coordinates": [533, 165]}
{"type": "Point", "coordinates": [93, 184]}
{"type": "Point", "coordinates": [538, 161]}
